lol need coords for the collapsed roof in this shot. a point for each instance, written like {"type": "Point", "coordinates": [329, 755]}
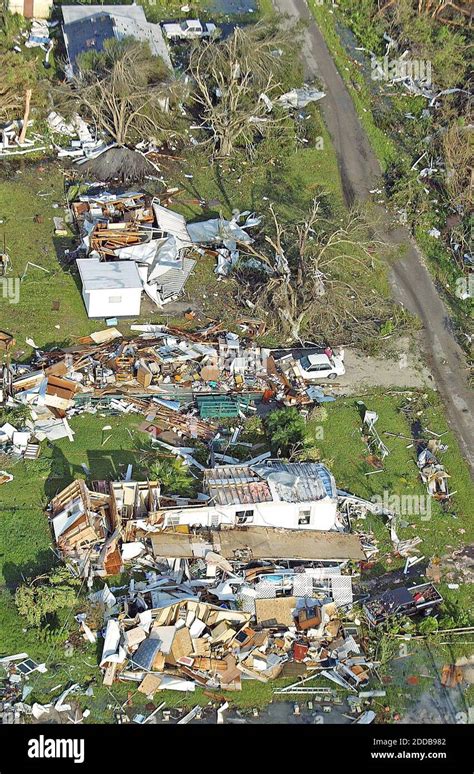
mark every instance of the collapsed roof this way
{"type": "Point", "coordinates": [270, 481]}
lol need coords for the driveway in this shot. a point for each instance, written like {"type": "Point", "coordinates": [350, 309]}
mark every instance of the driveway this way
{"type": "Point", "coordinates": [402, 370]}
{"type": "Point", "coordinates": [411, 282]}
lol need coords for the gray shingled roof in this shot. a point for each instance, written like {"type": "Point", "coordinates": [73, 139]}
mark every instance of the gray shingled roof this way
{"type": "Point", "coordinates": [84, 22]}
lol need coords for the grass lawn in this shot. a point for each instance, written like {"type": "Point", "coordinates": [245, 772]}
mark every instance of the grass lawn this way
{"type": "Point", "coordinates": [24, 532]}
{"type": "Point", "coordinates": [345, 452]}
{"type": "Point", "coordinates": [26, 211]}
{"type": "Point", "coordinates": [164, 10]}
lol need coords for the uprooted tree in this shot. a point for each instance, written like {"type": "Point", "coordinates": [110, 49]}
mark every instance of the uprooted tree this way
{"type": "Point", "coordinates": [236, 82]}
{"type": "Point", "coordinates": [124, 91]}
{"type": "Point", "coordinates": [316, 275]}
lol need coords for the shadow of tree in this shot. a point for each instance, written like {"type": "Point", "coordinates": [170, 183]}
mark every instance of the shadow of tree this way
{"type": "Point", "coordinates": [15, 574]}
{"type": "Point", "coordinates": [102, 464]}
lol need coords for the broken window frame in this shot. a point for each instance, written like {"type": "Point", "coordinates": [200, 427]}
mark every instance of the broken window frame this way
{"type": "Point", "coordinates": [304, 516]}
{"type": "Point", "coordinates": [244, 517]}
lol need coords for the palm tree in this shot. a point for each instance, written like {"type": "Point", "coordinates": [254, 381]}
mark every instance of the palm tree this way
{"type": "Point", "coordinates": [173, 476]}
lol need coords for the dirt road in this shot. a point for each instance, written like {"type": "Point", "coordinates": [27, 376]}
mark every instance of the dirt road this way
{"type": "Point", "coordinates": [411, 282]}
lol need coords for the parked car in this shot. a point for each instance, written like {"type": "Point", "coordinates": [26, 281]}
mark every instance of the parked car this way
{"type": "Point", "coordinates": [321, 366]}
{"type": "Point", "coordinates": [190, 29]}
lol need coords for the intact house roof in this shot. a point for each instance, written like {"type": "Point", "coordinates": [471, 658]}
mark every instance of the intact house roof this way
{"type": "Point", "coordinates": [112, 275]}
{"type": "Point", "coordinates": [87, 27]}
{"type": "Point", "coordinates": [292, 482]}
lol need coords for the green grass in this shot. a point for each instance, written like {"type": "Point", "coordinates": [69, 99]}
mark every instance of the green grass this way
{"type": "Point", "coordinates": [25, 538]}
{"type": "Point", "coordinates": [384, 148]}
{"type": "Point", "coordinates": [289, 178]}
{"type": "Point", "coordinates": [171, 9]}
{"type": "Point", "coordinates": [345, 452]}
{"type": "Point", "coordinates": [27, 222]}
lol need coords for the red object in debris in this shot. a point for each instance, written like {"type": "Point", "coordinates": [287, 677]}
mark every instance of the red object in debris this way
{"type": "Point", "coordinates": [412, 680]}
{"type": "Point", "coordinates": [267, 395]}
{"type": "Point", "coordinates": [300, 651]}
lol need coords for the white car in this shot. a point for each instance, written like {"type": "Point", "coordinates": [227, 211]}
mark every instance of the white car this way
{"type": "Point", "coordinates": [314, 367]}
{"type": "Point", "coordinates": [190, 29]}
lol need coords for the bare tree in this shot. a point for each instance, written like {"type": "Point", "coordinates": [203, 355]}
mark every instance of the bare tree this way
{"type": "Point", "coordinates": [316, 274]}
{"type": "Point", "coordinates": [124, 91]}
{"type": "Point", "coordinates": [235, 82]}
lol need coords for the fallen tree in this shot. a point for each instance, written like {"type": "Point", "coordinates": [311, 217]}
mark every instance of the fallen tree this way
{"type": "Point", "coordinates": [317, 275]}
{"type": "Point", "coordinates": [236, 82]}
{"type": "Point", "coordinates": [124, 91]}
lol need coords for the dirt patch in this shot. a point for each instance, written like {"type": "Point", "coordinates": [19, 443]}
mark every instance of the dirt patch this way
{"type": "Point", "coordinates": [402, 369]}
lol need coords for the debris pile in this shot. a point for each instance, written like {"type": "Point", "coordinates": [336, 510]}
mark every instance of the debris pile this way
{"type": "Point", "coordinates": [133, 227]}
{"type": "Point", "coordinates": [98, 529]}
{"type": "Point", "coordinates": [186, 627]}
{"type": "Point", "coordinates": [402, 601]}
{"type": "Point", "coordinates": [432, 472]}
{"type": "Point", "coordinates": [180, 381]}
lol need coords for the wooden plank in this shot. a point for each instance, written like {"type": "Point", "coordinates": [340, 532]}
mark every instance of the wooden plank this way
{"type": "Point", "coordinates": [109, 676]}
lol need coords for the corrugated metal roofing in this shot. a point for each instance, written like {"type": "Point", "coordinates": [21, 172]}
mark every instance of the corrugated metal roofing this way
{"type": "Point", "coordinates": [236, 485]}
{"type": "Point", "coordinates": [172, 222]}
{"type": "Point", "coordinates": [298, 481]}
{"type": "Point", "coordinates": [173, 281]}
{"type": "Point", "coordinates": [294, 482]}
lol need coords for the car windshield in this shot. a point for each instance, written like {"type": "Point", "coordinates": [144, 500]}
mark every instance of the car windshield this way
{"type": "Point", "coordinates": [305, 363]}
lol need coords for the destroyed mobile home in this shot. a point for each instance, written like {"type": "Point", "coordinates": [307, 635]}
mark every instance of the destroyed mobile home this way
{"type": "Point", "coordinates": [219, 606]}
{"type": "Point", "coordinates": [178, 645]}
{"type": "Point", "coordinates": [133, 230]}
{"type": "Point", "coordinates": [99, 529]}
